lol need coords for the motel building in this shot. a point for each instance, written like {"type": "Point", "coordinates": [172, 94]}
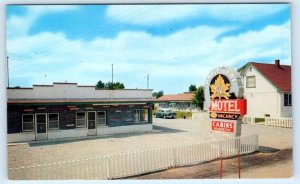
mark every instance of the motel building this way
{"type": "Point", "coordinates": [176, 101]}
{"type": "Point", "coordinates": [65, 110]}
{"type": "Point", "coordinates": [267, 88]}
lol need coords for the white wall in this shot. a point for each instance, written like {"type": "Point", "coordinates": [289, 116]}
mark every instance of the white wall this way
{"type": "Point", "coordinates": [79, 132]}
{"type": "Point", "coordinates": [73, 91]}
{"type": "Point", "coordinates": [58, 134]}
{"type": "Point", "coordinates": [21, 137]}
{"type": "Point", "coordinates": [286, 111]}
{"type": "Point", "coordinates": [124, 129]}
{"type": "Point", "coordinates": [264, 98]}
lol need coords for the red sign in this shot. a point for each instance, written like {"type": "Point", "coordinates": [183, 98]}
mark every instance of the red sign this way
{"type": "Point", "coordinates": [222, 126]}
{"type": "Point", "coordinates": [233, 106]}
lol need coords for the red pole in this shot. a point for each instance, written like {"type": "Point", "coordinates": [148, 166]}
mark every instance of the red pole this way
{"type": "Point", "coordinates": [239, 164]}
{"type": "Point", "coordinates": [221, 167]}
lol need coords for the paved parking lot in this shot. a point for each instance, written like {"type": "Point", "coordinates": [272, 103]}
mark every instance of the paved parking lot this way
{"type": "Point", "coordinates": [166, 132]}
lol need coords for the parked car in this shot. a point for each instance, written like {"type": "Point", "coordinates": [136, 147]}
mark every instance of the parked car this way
{"type": "Point", "coordinates": [165, 113]}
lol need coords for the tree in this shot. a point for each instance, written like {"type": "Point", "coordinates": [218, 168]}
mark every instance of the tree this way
{"type": "Point", "coordinates": [198, 98]}
{"type": "Point", "coordinates": [118, 85]}
{"type": "Point", "coordinates": [158, 94]}
{"type": "Point", "coordinates": [100, 85]}
{"type": "Point", "coordinates": [109, 85]}
{"type": "Point", "coordinates": [192, 87]}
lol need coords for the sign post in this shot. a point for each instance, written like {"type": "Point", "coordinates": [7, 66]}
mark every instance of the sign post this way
{"type": "Point", "coordinates": [224, 100]}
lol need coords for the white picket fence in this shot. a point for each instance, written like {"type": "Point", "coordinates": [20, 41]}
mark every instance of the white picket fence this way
{"type": "Point", "coordinates": [139, 162]}
{"type": "Point", "coordinates": [248, 119]}
{"type": "Point", "coordinates": [279, 122]}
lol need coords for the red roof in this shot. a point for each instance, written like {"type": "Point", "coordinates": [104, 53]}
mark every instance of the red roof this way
{"type": "Point", "coordinates": [280, 75]}
{"type": "Point", "coordinates": [178, 97]}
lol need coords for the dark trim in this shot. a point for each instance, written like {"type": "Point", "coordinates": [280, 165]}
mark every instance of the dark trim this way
{"type": "Point", "coordinates": [79, 103]}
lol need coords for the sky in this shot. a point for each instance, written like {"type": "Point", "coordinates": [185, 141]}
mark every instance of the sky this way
{"type": "Point", "coordinates": [176, 45]}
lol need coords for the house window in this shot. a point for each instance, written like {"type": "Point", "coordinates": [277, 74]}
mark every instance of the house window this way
{"type": "Point", "coordinates": [250, 82]}
{"type": "Point", "coordinates": [101, 118]}
{"type": "Point", "coordinates": [53, 120]}
{"type": "Point", "coordinates": [287, 99]}
{"type": "Point", "coordinates": [136, 116]}
{"type": "Point", "coordinates": [141, 115]}
{"type": "Point", "coordinates": [80, 119]}
{"type": "Point", "coordinates": [27, 122]}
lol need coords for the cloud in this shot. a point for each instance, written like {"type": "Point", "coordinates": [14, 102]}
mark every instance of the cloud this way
{"type": "Point", "coordinates": [18, 26]}
{"type": "Point", "coordinates": [149, 15]}
{"type": "Point", "coordinates": [172, 61]}
{"type": "Point", "coordinates": [244, 12]}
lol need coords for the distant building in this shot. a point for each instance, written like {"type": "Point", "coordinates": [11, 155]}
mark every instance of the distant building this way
{"type": "Point", "coordinates": [66, 110]}
{"type": "Point", "coordinates": [177, 101]}
{"type": "Point", "coordinates": [267, 88]}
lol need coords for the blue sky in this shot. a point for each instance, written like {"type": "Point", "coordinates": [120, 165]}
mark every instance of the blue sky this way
{"type": "Point", "coordinates": [177, 45]}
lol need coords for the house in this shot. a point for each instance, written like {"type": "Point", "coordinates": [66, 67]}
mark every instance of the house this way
{"type": "Point", "coordinates": [66, 110]}
{"type": "Point", "coordinates": [176, 101]}
{"type": "Point", "coordinates": [267, 88]}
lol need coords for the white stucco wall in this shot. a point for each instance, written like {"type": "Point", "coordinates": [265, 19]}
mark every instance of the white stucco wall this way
{"type": "Point", "coordinates": [73, 91]}
{"type": "Point", "coordinates": [286, 111]}
{"type": "Point", "coordinates": [79, 132]}
{"type": "Point", "coordinates": [21, 137]}
{"type": "Point", "coordinates": [124, 129]}
{"type": "Point", "coordinates": [58, 134]}
{"type": "Point", "coordinates": [264, 98]}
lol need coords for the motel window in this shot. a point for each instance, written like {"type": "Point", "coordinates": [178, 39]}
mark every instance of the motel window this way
{"type": "Point", "coordinates": [250, 82]}
{"type": "Point", "coordinates": [53, 120]}
{"type": "Point", "coordinates": [101, 118]}
{"type": "Point", "coordinates": [287, 99]}
{"type": "Point", "coordinates": [27, 122]}
{"type": "Point", "coordinates": [80, 119]}
{"type": "Point", "coordinates": [141, 115]}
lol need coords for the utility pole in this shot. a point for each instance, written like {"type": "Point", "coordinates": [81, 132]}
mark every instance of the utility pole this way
{"type": "Point", "coordinates": [147, 81]}
{"type": "Point", "coordinates": [112, 73]}
{"type": "Point", "coordinates": [7, 58]}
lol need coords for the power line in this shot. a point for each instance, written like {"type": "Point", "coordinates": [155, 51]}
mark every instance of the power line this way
{"type": "Point", "coordinates": [125, 17]}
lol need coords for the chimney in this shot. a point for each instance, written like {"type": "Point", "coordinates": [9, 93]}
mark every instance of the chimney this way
{"type": "Point", "coordinates": [277, 63]}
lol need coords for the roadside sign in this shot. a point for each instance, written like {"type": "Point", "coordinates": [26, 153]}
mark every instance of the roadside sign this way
{"type": "Point", "coordinates": [234, 106]}
{"type": "Point", "coordinates": [226, 126]}
{"type": "Point", "coordinates": [224, 99]}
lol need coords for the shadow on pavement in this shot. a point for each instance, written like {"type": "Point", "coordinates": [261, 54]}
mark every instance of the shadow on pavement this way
{"type": "Point", "coordinates": [162, 129]}
{"type": "Point", "coordinates": [156, 130]}
{"type": "Point", "coordinates": [264, 149]}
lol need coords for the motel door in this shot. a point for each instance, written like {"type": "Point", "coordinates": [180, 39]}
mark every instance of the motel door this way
{"type": "Point", "coordinates": [41, 126]}
{"type": "Point", "coordinates": [91, 120]}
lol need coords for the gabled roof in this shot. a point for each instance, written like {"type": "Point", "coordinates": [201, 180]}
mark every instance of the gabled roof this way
{"type": "Point", "coordinates": [188, 96]}
{"type": "Point", "coordinates": [278, 75]}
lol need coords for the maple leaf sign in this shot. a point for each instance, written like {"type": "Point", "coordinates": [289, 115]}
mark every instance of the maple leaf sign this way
{"type": "Point", "coordinates": [219, 88]}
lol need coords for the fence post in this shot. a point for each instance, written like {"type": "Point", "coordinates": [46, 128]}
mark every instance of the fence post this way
{"type": "Point", "coordinates": [221, 158]}
{"type": "Point", "coordinates": [108, 167]}
{"type": "Point", "coordinates": [174, 157]}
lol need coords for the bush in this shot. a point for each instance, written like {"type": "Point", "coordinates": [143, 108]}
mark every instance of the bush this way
{"type": "Point", "coordinates": [257, 120]}
{"type": "Point", "coordinates": [184, 115]}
